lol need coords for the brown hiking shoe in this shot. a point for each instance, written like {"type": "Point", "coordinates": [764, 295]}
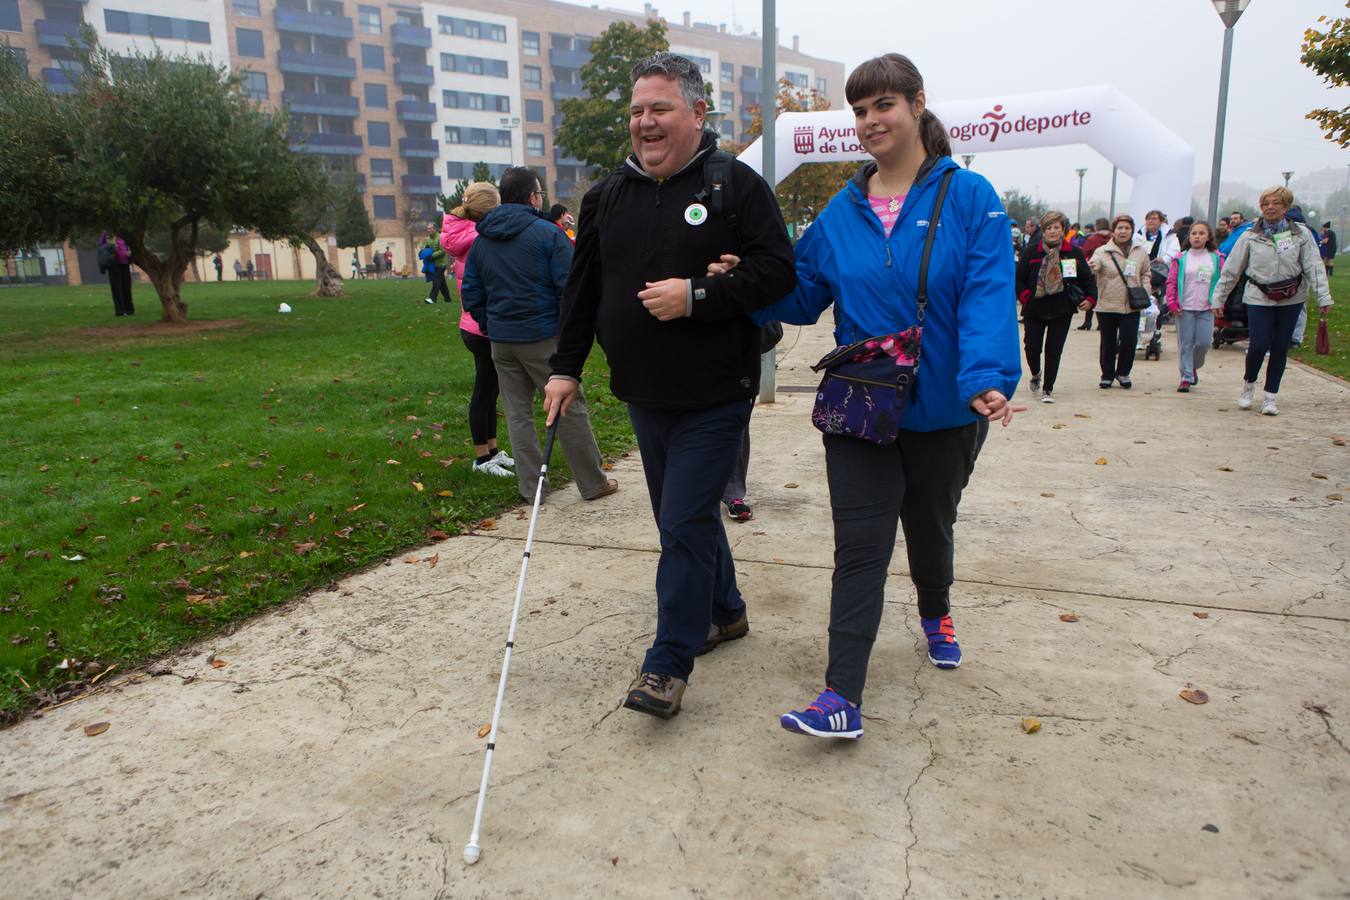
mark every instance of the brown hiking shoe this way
{"type": "Point", "coordinates": [656, 694]}
{"type": "Point", "coordinates": [718, 634]}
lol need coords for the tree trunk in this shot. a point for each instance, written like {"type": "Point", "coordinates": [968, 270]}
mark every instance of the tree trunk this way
{"type": "Point", "coordinates": [166, 276]}
{"type": "Point", "coordinates": [327, 281]}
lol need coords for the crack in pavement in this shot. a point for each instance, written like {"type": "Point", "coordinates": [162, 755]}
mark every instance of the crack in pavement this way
{"type": "Point", "coordinates": [919, 692]}
{"type": "Point", "coordinates": [524, 650]}
{"type": "Point", "coordinates": [1326, 723]}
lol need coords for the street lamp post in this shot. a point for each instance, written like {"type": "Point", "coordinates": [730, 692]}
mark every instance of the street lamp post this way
{"type": "Point", "coordinates": [967, 158]}
{"type": "Point", "coordinates": [1229, 11]}
{"type": "Point", "coordinates": [768, 105]}
{"type": "Point", "coordinates": [1287, 176]}
{"type": "Point", "coordinates": [1081, 173]}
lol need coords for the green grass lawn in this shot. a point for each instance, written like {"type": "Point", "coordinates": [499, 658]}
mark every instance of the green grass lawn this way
{"type": "Point", "coordinates": [156, 486]}
{"type": "Point", "coordinates": [1338, 323]}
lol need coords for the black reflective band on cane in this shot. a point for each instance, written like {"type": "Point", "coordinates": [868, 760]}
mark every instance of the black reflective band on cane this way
{"type": "Point", "coordinates": [510, 644]}
{"type": "Point", "coordinates": [492, 746]}
{"type": "Point", "coordinates": [527, 554]}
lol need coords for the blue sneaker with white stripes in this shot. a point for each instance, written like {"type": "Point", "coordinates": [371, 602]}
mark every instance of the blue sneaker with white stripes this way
{"type": "Point", "coordinates": [831, 716]}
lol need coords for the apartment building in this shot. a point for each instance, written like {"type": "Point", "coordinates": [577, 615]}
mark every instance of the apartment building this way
{"type": "Point", "coordinates": [407, 97]}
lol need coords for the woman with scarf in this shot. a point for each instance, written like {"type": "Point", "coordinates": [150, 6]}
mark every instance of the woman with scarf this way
{"type": "Point", "coordinates": [1119, 264]}
{"type": "Point", "coordinates": [1053, 282]}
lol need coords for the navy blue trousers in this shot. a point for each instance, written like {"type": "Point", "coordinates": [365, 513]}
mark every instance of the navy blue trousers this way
{"type": "Point", "coordinates": [687, 456]}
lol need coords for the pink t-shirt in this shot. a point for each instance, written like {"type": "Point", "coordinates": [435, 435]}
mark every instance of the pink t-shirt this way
{"type": "Point", "coordinates": [882, 207]}
{"type": "Point", "coordinates": [1199, 275]}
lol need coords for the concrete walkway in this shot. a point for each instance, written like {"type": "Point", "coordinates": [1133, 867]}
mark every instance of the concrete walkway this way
{"type": "Point", "coordinates": [336, 754]}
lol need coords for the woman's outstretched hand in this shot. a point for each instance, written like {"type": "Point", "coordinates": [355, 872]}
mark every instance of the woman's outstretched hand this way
{"type": "Point", "coordinates": [994, 407]}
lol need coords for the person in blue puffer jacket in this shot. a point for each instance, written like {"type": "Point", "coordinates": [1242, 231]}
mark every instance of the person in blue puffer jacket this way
{"type": "Point", "coordinates": [862, 255]}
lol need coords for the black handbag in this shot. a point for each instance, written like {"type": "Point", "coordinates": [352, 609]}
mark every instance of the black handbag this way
{"type": "Point", "coordinates": [1137, 296]}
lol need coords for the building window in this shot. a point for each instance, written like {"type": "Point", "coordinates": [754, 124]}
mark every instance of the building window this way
{"type": "Point", "coordinates": [529, 42]}
{"type": "Point", "coordinates": [468, 28]}
{"type": "Point", "coordinates": [533, 75]}
{"type": "Point", "coordinates": [798, 79]}
{"type": "Point", "coordinates": [377, 96]}
{"type": "Point", "coordinates": [477, 101]}
{"type": "Point", "coordinates": [728, 73]}
{"type": "Point", "coordinates": [704, 63]}
{"type": "Point", "coordinates": [9, 16]}
{"type": "Point", "coordinates": [246, 8]}
{"type": "Point", "coordinates": [249, 42]}
{"type": "Point", "coordinates": [164, 27]}
{"type": "Point", "coordinates": [385, 208]}
{"type": "Point", "coordinates": [534, 110]}
{"type": "Point", "coordinates": [750, 72]}
{"type": "Point", "coordinates": [503, 139]}
{"type": "Point", "coordinates": [381, 171]}
{"type": "Point", "coordinates": [254, 85]}
{"type": "Point", "coordinates": [368, 19]}
{"type": "Point", "coordinates": [503, 103]}
{"type": "Point", "coordinates": [534, 144]}
{"type": "Point", "coordinates": [478, 137]}
{"type": "Point", "coordinates": [450, 99]}
{"type": "Point", "coordinates": [822, 85]}
{"type": "Point", "coordinates": [454, 171]}
{"type": "Point", "coordinates": [729, 131]}
{"type": "Point", "coordinates": [377, 134]}
{"type": "Point", "coordinates": [728, 101]}
{"type": "Point", "coordinates": [372, 56]}
{"type": "Point", "coordinates": [452, 135]}
{"type": "Point", "coordinates": [20, 56]}
{"type": "Point", "coordinates": [473, 65]}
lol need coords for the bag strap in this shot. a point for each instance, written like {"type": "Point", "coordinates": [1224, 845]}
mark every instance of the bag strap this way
{"type": "Point", "coordinates": [921, 294]}
{"type": "Point", "coordinates": [1115, 262]}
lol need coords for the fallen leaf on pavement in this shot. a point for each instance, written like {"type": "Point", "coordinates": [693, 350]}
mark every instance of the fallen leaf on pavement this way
{"type": "Point", "coordinates": [758, 533]}
{"type": "Point", "coordinates": [1225, 469]}
{"type": "Point", "coordinates": [1081, 416]}
{"type": "Point", "coordinates": [1047, 493]}
{"type": "Point", "coordinates": [608, 467]}
{"type": "Point", "coordinates": [1031, 724]}
{"type": "Point", "coordinates": [485, 524]}
{"type": "Point", "coordinates": [1334, 497]}
{"type": "Point", "coordinates": [217, 663]}
{"type": "Point", "coordinates": [1101, 460]}
{"type": "Point", "coordinates": [356, 507]}
{"type": "Point", "coordinates": [412, 560]}
{"type": "Point", "coordinates": [790, 484]}
{"type": "Point", "coordinates": [1068, 617]}
{"type": "Point", "coordinates": [1057, 426]}
{"type": "Point", "coordinates": [1319, 475]}
{"type": "Point", "coordinates": [1338, 440]}
{"type": "Point", "coordinates": [485, 730]}
{"type": "Point", "coordinates": [433, 559]}
{"type": "Point", "coordinates": [614, 861]}
{"type": "Point", "coordinates": [96, 729]}
{"type": "Point", "coordinates": [1318, 708]}
{"type": "Point", "coordinates": [1195, 696]}
{"type": "Point", "coordinates": [1200, 615]}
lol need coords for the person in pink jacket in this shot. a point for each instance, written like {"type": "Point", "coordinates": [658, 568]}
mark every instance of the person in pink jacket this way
{"type": "Point", "coordinates": [458, 232]}
{"type": "Point", "coordinates": [1190, 296]}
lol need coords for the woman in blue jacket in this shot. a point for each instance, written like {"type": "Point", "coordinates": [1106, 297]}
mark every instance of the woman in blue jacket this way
{"type": "Point", "coordinates": [862, 254]}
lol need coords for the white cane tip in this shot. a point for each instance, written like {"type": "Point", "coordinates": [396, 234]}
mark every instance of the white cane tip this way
{"type": "Point", "coordinates": [471, 853]}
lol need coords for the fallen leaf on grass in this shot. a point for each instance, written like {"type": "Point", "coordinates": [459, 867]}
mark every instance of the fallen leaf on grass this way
{"type": "Point", "coordinates": [304, 547]}
{"type": "Point", "coordinates": [133, 499]}
{"type": "Point", "coordinates": [1068, 617]}
{"type": "Point", "coordinates": [205, 599]}
{"type": "Point", "coordinates": [392, 462]}
{"type": "Point", "coordinates": [1101, 460]}
{"type": "Point", "coordinates": [447, 462]}
{"type": "Point", "coordinates": [44, 467]}
{"type": "Point", "coordinates": [485, 730]}
{"type": "Point", "coordinates": [436, 534]}
{"type": "Point", "coordinates": [224, 465]}
{"type": "Point", "coordinates": [418, 486]}
{"type": "Point", "coordinates": [355, 508]}
{"type": "Point", "coordinates": [790, 484]}
{"type": "Point", "coordinates": [96, 729]}
{"type": "Point", "coordinates": [445, 493]}
{"type": "Point", "coordinates": [1031, 724]}
{"type": "Point", "coordinates": [343, 533]}
{"type": "Point", "coordinates": [1195, 696]}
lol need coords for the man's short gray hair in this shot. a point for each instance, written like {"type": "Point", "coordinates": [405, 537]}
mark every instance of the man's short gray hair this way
{"type": "Point", "coordinates": [677, 68]}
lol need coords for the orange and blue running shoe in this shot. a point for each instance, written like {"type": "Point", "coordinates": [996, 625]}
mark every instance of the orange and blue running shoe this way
{"type": "Point", "coordinates": [943, 650]}
{"type": "Point", "coordinates": [831, 716]}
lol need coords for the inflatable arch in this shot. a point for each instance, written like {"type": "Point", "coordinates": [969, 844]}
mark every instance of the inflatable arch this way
{"type": "Point", "coordinates": [1161, 164]}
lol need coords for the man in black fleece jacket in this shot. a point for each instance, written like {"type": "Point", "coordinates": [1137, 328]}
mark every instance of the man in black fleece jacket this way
{"type": "Point", "coordinates": [682, 352]}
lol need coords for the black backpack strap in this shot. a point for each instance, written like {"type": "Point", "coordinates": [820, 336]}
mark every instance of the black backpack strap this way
{"type": "Point", "coordinates": [715, 193]}
{"type": "Point", "coordinates": [921, 295]}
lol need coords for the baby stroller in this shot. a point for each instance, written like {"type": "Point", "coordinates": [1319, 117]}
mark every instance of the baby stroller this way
{"type": "Point", "coordinates": [1230, 326]}
{"type": "Point", "coordinates": [1151, 320]}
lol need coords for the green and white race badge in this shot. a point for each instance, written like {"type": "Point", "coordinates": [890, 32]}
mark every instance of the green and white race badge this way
{"type": "Point", "coordinates": [1284, 241]}
{"type": "Point", "coordinates": [696, 214]}
{"type": "Point", "coordinates": [1131, 269]}
{"type": "Point", "coordinates": [1069, 268]}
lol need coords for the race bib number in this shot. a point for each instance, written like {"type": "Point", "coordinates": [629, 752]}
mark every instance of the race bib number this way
{"type": "Point", "coordinates": [1131, 269]}
{"type": "Point", "coordinates": [1284, 241]}
{"type": "Point", "coordinates": [1204, 275]}
{"type": "Point", "coordinates": [1069, 267]}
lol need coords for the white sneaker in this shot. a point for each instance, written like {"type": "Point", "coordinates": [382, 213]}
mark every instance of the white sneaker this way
{"type": "Point", "coordinates": [1248, 392]}
{"type": "Point", "coordinates": [492, 468]}
{"type": "Point", "coordinates": [501, 459]}
{"type": "Point", "coordinates": [1046, 398]}
{"type": "Point", "coordinates": [1268, 405]}
{"type": "Point", "coordinates": [429, 300]}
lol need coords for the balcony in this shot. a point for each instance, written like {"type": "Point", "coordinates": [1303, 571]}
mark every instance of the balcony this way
{"type": "Point", "coordinates": [560, 90]}
{"type": "Point", "coordinates": [410, 36]}
{"type": "Point", "coordinates": [59, 81]}
{"type": "Point", "coordinates": [419, 148]}
{"type": "Point", "coordinates": [316, 24]}
{"type": "Point", "coordinates": [322, 104]}
{"type": "Point", "coordinates": [415, 111]}
{"type": "Point", "coordinates": [58, 34]}
{"type": "Point", "coordinates": [421, 184]}
{"type": "Point", "coordinates": [561, 158]}
{"type": "Point", "coordinates": [414, 73]}
{"type": "Point", "coordinates": [292, 62]}
{"type": "Point", "coordinates": [569, 59]}
{"type": "Point", "coordinates": [326, 143]}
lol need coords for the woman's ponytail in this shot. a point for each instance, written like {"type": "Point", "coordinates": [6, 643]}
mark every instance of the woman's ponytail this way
{"type": "Point", "coordinates": [934, 135]}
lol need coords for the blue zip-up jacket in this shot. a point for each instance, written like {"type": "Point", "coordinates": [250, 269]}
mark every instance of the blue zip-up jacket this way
{"type": "Point", "coordinates": [970, 342]}
{"type": "Point", "coordinates": [1226, 248]}
{"type": "Point", "coordinates": [515, 274]}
